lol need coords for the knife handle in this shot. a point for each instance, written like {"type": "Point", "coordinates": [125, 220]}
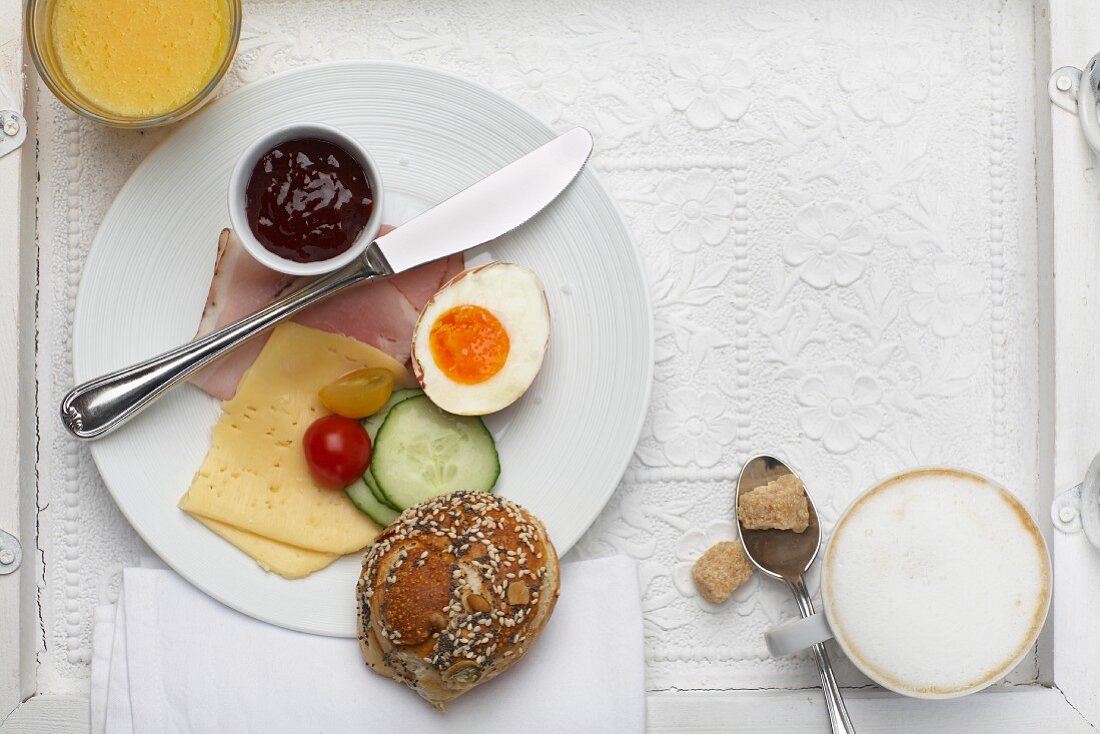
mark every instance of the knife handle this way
{"type": "Point", "coordinates": [99, 406]}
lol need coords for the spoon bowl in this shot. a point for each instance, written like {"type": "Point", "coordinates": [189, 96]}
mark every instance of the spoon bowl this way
{"type": "Point", "coordinates": [781, 554]}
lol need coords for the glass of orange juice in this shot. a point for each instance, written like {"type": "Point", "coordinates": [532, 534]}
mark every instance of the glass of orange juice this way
{"type": "Point", "coordinates": [133, 63]}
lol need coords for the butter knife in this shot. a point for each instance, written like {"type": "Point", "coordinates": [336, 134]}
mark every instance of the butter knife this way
{"type": "Point", "coordinates": [486, 210]}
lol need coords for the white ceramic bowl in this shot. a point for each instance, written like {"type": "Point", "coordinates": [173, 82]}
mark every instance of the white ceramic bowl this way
{"type": "Point", "coordinates": [238, 184]}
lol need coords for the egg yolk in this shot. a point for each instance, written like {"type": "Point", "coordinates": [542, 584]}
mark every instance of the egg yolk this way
{"type": "Point", "coordinates": [469, 344]}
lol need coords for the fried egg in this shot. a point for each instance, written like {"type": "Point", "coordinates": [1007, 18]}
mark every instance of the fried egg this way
{"type": "Point", "coordinates": [480, 340]}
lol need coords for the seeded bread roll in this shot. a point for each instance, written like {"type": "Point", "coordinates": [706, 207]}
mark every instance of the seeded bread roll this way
{"type": "Point", "coordinates": [454, 592]}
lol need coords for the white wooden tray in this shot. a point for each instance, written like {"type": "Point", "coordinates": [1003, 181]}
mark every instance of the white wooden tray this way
{"type": "Point", "coordinates": [813, 76]}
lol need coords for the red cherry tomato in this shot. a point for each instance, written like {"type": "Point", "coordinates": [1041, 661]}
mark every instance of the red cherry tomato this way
{"type": "Point", "coordinates": [337, 450]}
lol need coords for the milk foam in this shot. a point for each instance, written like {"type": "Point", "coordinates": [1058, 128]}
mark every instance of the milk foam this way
{"type": "Point", "coordinates": [936, 583]}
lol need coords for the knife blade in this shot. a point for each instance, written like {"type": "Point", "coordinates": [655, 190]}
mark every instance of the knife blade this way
{"type": "Point", "coordinates": [489, 208]}
{"type": "Point", "coordinates": [493, 206]}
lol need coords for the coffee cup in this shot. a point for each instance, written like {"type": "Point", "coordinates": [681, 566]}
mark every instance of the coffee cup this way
{"type": "Point", "coordinates": [935, 584]}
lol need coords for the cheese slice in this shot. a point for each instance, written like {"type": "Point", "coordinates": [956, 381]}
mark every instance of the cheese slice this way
{"type": "Point", "coordinates": [255, 477]}
{"type": "Point", "coordinates": [289, 561]}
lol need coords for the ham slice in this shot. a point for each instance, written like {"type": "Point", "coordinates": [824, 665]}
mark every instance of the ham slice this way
{"type": "Point", "coordinates": [420, 284]}
{"type": "Point", "coordinates": [381, 313]}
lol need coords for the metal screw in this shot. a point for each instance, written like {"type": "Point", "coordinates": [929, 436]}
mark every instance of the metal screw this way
{"type": "Point", "coordinates": [7, 557]}
{"type": "Point", "coordinates": [11, 127]}
{"type": "Point", "coordinates": [1067, 514]}
{"type": "Point", "coordinates": [1064, 83]}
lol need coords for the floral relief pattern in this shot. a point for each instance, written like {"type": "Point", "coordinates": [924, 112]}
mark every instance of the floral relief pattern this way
{"type": "Point", "coordinates": [710, 86]}
{"type": "Point", "coordinates": [840, 407]}
{"type": "Point", "coordinates": [693, 211]}
{"type": "Point", "coordinates": [814, 228]}
{"type": "Point", "coordinates": [829, 244]}
{"type": "Point", "coordinates": [693, 427]}
{"type": "Point", "coordinates": [946, 295]}
{"type": "Point", "coordinates": [541, 77]}
{"type": "Point", "coordinates": [885, 81]}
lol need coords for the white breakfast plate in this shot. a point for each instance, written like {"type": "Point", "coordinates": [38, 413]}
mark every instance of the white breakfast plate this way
{"type": "Point", "coordinates": [563, 447]}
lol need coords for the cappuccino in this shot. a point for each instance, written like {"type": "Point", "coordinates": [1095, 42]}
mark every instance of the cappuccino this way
{"type": "Point", "coordinates": [936, 583]}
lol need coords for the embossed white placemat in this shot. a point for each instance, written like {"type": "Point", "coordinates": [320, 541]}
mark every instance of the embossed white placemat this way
{"type": "Point", "coordinates": [836, 205]}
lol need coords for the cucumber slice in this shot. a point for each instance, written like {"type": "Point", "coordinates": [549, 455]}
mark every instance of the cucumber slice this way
{"type": "Point", "coordinates": [372, 485]}
{"type": "Point", "coordinates": [372, 423]}
{"type": "Point", "coordinates": [422, 451]}
{"type": "Point", "coordinates": [367, 503]}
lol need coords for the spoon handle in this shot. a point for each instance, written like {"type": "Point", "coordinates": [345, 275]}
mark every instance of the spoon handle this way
{"type": "Point", "coordinates": [834, 702]}
{"type": "Point", "coordinates": [97, 407]}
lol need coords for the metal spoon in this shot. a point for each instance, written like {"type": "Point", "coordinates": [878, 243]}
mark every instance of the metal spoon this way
{"type": "Point", "coordinates": [786, 555]}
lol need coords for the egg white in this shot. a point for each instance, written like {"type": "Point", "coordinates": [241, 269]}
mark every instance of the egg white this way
{"type": "Point", "coordinates": [514, 295]}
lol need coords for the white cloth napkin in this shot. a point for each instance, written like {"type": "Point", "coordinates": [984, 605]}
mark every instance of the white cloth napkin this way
{"type": "Point", "coordinates": [166, 659]}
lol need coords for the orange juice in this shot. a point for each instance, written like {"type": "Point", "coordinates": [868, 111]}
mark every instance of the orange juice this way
{"type": "Point", "coordinates": [140, 58]}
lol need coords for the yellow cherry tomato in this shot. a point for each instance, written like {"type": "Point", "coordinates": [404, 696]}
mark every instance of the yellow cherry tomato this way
{"type": "Point", "coordinates": [358, 394]}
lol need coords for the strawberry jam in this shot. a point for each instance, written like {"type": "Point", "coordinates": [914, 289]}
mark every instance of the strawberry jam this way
{"type": "Point", "coordinates": [308, 200]}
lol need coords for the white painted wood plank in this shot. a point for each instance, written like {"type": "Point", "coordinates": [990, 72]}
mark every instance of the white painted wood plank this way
{"type": "Point", "coordinates": [1075, 37]}
{"type": "Point", "coordinates": [15, 361]}
{"type": "Point", "coordinates": [1075, 189]}
{"type": "Point", "coordinates": [1041, 210]}
{"type": "Point", "coordinates": [1027, 710]}
{"type": "Point", "coordinates": [1031, 710]}
{"type": "Point", "coordinates": [49, 715]}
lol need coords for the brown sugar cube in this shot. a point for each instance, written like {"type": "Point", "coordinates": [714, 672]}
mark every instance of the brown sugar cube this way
{"type": "Point", "coordinates": [720, 571]}
{"type": "Point", "coordinates": [779, 505]}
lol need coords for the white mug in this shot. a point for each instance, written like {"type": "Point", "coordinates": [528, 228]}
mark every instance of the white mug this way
{"type": "Point", "coordinates": [946, 599]}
